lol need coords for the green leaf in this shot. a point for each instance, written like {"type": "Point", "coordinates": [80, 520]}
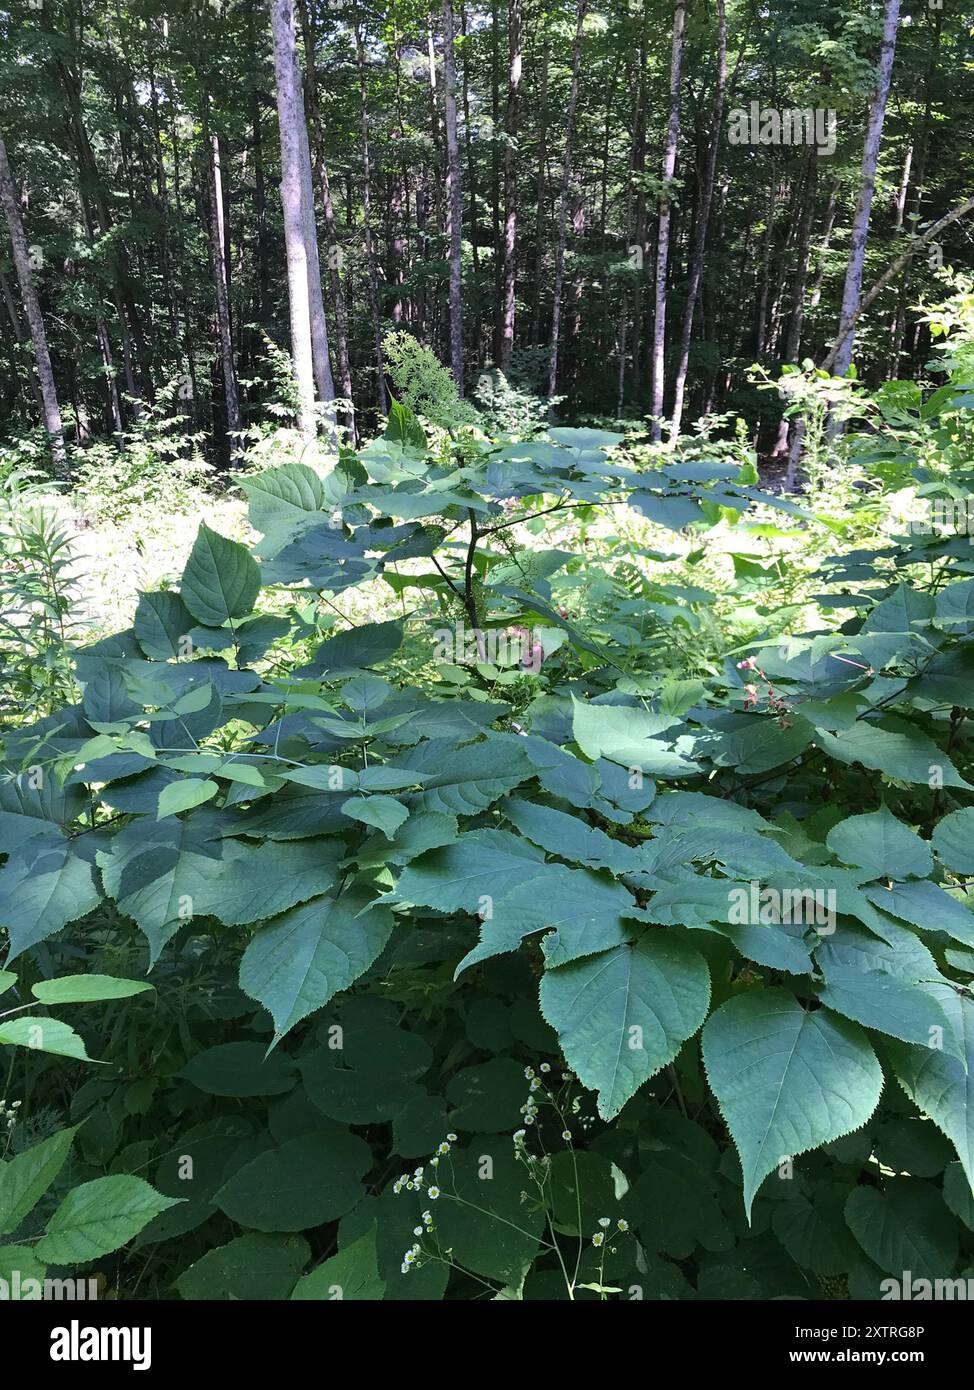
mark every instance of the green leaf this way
{"type": "Point", "coordinates": [256, 884]}
{"type": "Point", "coordinates": [98, 1217]}
{"type": "Point", "coordinates": [786, 1080]}
{"type": "Point", "coordinates": [487, 1099]}
{"type": "Point", "coordinates": [304, 1183]}
{"type": "Point", "coordinates": [301, 960]}
{"type": "Point", "coordinates": [904, 1227]}
{"type": "Point", "coordinates": [221, 579]}
{"type": "Point", "coordinates": [25, 1179]}
{"type": "Point", "coordinates": [403, 428]}
{"type": "Point", "coordinates": [571, 838]}
{"type": "Point", "coordinates": [44, 1035]}
{"type": "Point", "coordinates": [44, 885]}
{"type": "Point", "coordinates": [253, 1267]}
{"type": "Point", "coordinates": [349, 652]}
{"type": "Point", "coordinates": [284, 501]}
{"type": "Point", "coordinates": [486, 1224]}
{"type": "Point", "coordinates": [20, 1261]}
{"type": "Point", "coordinates": [165, 873]}
{"type": "Point", "coordinates": [938, 1084]}
{"type": "Point", "coordinates": [184, 795]}
{"type": "Point", "coordinates": [461, 781]}
{"type": "Point", "coordinates": [162, 624]}
{"type": "Point", "coordinates": [897, 749]}
{"type": "Point", "coordinates": [456, 877]}
{"type": "Point", "coordinates": [630, 737]}
{"type": "Point", "coordinates": [87, 989]}
{"type": "Point", "coordinates": [585, 910]}
{"type": "Point", "coordinates": [958, 1194]}
{"type": "Point", "coordinates": [814, 1232]}
{"type": "Point", "coordinates": [240, 1069]}
{"type": "Point", "coordinates": [384, 812]}
{"type": "Point", "coordinates": [880, 844]}
{"type": "Point", "coordinates": [157, 871]}
{"type": "Point", "coordinates": [926, 905]}
{"type": "Point", "coordinates": [901, 953]}
{"type": "Point", "coordinates": [879, 1000]}
{"type": "Point", "coordinates": [953, 840]}
{"type": "Point", "coordinates": [624, 1014]}
{"type": "Point", "coordinates": [351, 1275]}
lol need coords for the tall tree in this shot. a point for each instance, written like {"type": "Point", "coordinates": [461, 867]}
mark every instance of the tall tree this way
{"type": "Point", "coordinates": [566, 179]}
{"type": "Point", "coordinates": [510, 182]}
{"type": "Point", "coordinates": [290, 113]}
{"type": "Point", "coordinates": [663, 235]}
{"type": "Point", "coordinates": [321, 358]}
{"type": "Point", "coordinates": [32, 309]}
{"type": "Point", "coordinates": [218, 257]}
{"type": "Point", "coordinates": [702, 218]}
{"type": "Point", "coordinates": [371, 260]}
{"type": "Point", "coordinates": [852, 290]}
{"type": "Point", "coordinates": [454, 196]}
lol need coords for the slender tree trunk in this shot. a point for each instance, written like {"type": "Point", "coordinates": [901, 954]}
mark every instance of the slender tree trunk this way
{"type": "Point", "coordinates": [370, 256]}
{"type": "Point", "coordinates": [218, 256]}
{"type": "Point", "coordinates": [702, 218]}
{"type": "Point", "coordinates": [902, 191]}
{"type": "Point", "coordinates": [663, 237]}
{"type": "Point", "coordinates": [510, 183]}
{"type": "Point", "coordinates": [495, 175]}
{"type": "Point", "coordinates": [540, 187]}
{"type": "Point", "coordinates": [32, 310]}
{"type": "Point", "coordinates": [638, 218]}
{"type": "Point", "coordinates": [870, 157]}
{"type": "Point", "coordinates": [454, 197]}
{"type": "Point", "coordinates": [471, 174]}
{"type": "Point", "coordinates": [334, 253]}
{"type": "Point", "coordinates": [914, 197]}
{"type": "Point", "coordinates": [823, 248]}
{"type": "Point", "coordinates": [799, 282]}
{"type": "Point", "coordinates": [260, 212]}
{"type": "Point", "coordinates": [321, 358]}
{"type": "Point", "coordinates": [290, 110]}
{"type": "Point", "coordinates": [767, 244]}
{"type": "Point", "coordinates": [566, 178]}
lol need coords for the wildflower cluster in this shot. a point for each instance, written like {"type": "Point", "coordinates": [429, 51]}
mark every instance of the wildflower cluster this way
{"type": "Point", "coordinates": [416, 1182]}
{"type": "Point", "coordinates": [605, 1222]}
{"type": "Point", "coordinates": [9, 1114]}
{"type": "Point", "coordinates": [777, 704]}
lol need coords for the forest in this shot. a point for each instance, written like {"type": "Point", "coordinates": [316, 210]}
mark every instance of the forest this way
{"type": "Point", "coordinates": [487, 655]}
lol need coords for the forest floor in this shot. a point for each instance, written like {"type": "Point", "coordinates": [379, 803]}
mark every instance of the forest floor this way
{"type": "Point", "coordinates": [115, 561]}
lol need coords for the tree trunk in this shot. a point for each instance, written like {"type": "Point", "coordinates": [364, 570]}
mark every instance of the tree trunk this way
{"type": "Point", "coordinates": [370, 257]}
{"type": "Point", "coordinates": [510, 183]}
{"type": "Point", "coordinates": [290, 111]}
{"type": "Point", "coordinates": [218, 256]}
{"type": "Point", "coordinates": [860, 223]}
{"type": "Point", "coordinates": [702, 218]}
{"type": "Point", "coordinates": [454, 198]}
{"type": "Point", "coordinates": [32, 310]}
{"type": "Point", "coordinates": [566, 177]}
{"type": "Point", "coordinates": [663, 237]}
{"type": "Point", "coordinates": [334, 253]}
{"type": "Point", "coordinates": [540, 188]}
{"type": "Point", "coordinates": [321, 358]}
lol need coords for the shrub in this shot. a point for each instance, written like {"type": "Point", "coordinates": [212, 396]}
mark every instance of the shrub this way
{"type": "Point", "coordinates": [497, 961]}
